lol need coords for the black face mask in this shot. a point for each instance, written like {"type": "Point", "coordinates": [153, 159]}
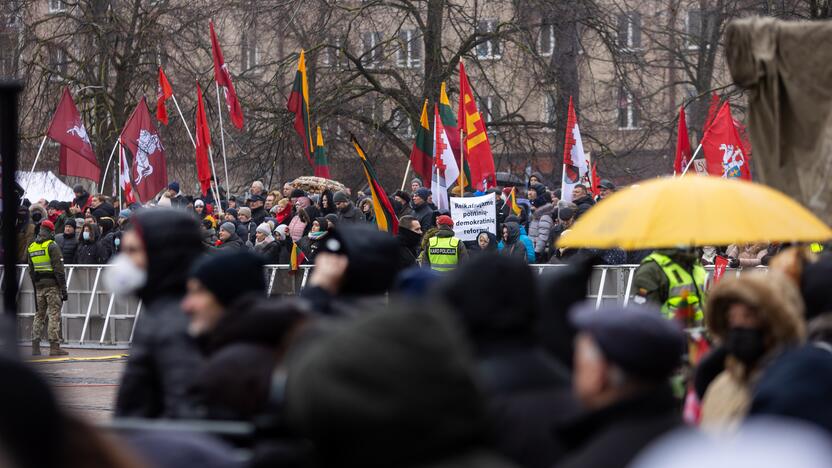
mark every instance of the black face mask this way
{"type": "Point", "coordinates": [745, 344]}
{"type": "Point", "coordinates": [36, 217]}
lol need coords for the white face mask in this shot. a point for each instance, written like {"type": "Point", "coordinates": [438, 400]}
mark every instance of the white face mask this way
{"type": "Point", "coordinates": [86, 235]}
{"type": "Point", "coordinates": [123, 277]}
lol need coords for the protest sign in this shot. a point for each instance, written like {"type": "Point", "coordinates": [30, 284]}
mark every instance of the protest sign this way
{"type": "Point", "coordinates": [473, 215]}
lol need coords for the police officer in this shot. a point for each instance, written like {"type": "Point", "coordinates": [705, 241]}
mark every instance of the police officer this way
{"type": "Point", "coordinates": [46, 268]}
{"type": "Point", "coordinates": [444, 251]}
{"type": "Point", "coordinates": [672, 279]}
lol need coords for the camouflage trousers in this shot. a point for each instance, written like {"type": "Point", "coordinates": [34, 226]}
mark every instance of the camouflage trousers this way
{"type": "Point", "coordinates": [48, 308]}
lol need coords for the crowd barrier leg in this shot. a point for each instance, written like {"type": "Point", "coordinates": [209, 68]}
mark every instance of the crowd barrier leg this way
{"type": "Point", "coordinates": [63, 304]}
{"type": "Point", "coordinates": [89, 307]}
{"type": "Point", "coordinates": [20, 281]}
{"type": "Point", "coordinates": [629, 287]}
{"type": "Point", "coordinates": [305, 276]}
{"type": "Point", "coordinates": [107, 318]}
{"type": "Point", "coordinates": [135, 320]}
{"type": "Point", "coordinates": [271, 282]}
{"type": "Point", "coordinates": [601, 289]}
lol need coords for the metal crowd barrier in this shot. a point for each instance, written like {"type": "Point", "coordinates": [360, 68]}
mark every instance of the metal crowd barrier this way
{"type": "Point", "coordinates": [95, 317]}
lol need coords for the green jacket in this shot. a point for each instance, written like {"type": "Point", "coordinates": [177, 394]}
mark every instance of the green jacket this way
{"type": "Point", "coordinates": [58, 276]}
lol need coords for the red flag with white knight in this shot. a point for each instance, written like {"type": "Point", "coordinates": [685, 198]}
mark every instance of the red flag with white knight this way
{"type": "Point", "coordinates": [223, 78]}
{"type": "Point", "coordinates": [163, 92]}
{"type": "Point", "coordinates": [67, 128]}
{"type": "Point", "coordinates": [574, 159]}
{"type": "Point", "coordinates": [142, 139]}
{"type": "Point", "coordinates": [723, 148]}
{"type": "Point", "coordinates": [683, 152]}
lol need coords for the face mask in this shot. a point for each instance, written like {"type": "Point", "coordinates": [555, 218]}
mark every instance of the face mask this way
{"type": "Point", "coordinates": [123, 277]}
{"type": "Point", "coordinates": [745, 344]}
{"type": "Point", "coordinates": [117, 242]}
{"type": "Point", "coordinates": [86, 236]}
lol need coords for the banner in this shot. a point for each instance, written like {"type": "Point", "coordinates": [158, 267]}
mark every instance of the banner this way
{"type": "Point", "coordinates": [720, 264]}
{"type": "Point", "coordinates": [472, 215]}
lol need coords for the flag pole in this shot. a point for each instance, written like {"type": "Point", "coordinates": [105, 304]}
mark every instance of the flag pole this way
{"type": "Point", "coordinates": [222, 138]}
{"type": "Point", "coordinates": [183, 121]}
{"type": "Point", "coordinates": [109, 160]}
{"type": "Point", "coordinates": [461, 164]}
{"type": "Point", "coordinates": [406, 170]}
{"type": "Point", "coordinates": [216, 187]}
{"type": "Point", "coordinates": [692, 158]}
{"type": "Point", "coordinates": [29, 176]}
{"type": "Point", "coordinates": [120, 172]}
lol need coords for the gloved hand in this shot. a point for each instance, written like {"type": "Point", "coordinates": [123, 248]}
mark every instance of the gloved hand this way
{"type": "Point", "coordinates": [64, 295]}
{"type": "Point", "coordinates": [733, 262]}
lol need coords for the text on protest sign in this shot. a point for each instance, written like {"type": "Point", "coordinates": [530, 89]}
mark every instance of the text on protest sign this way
{"type": "Point", "coordinates": [472, 215]}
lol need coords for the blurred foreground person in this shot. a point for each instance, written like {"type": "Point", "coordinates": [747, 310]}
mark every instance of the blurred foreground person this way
{"type": "Point", "coordinates": [495, 299]}
{"type": "Point", "coordinates": [391, 389]}
{"type": "Point", "coordinates": [156, 254]}
{"type": "Point", "coordinates": [46, 269]}
{"type": "Point", "coordinates": [623, 361]}
{"type": "Point", "coordinates": [755, 317]}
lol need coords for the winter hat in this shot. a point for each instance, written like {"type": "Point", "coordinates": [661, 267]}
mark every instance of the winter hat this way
{"type": "Point", "coordinates": [232, 212]}
{"type": "Point", "coordinates": [423, 193]}
{"type": "Point", "coordinates": [280, 231]}
{"type": "Point", "coordinates": [565, 213]}
{"type": "Point", "coordinates": [607, 184]}
{"type": "Point", "coordinates": [244, 211]}
{"type": "Point", "coordinates": [416, 181]}
{"type": "Point", "coordinates": [245, 267]}
{"type": "Point", "coordinates": [199, 203]}
{"type": "Point", "coordinates": [174, 186]}
{"type": "Point", "coordinates": [46, 224]}
{"type": "Point", "coordinates": [255, 198]}
{"type": "Point", "coordinates": [264, 228]}
{"type": "Point", "coordinates": [296, 193]}
{"type": "Point", "coordinates": [333, 218]}
{"type": "Point", "coordinates": [228, 227]}
{"type": "Point", "coordinates": [445, 220]}
{"type": "Point", "coordinates": [124, 214]}
{"type": "Point", "coordinates": [340, 197]}
{"type": "Point", "coordinates": [78, 188]}
{"type": "Point", "coordinates": [401, 194]}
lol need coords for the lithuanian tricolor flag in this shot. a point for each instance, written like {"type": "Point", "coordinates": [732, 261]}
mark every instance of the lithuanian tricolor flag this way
{"type": "Point", "coordinates": [420, 156]}
{"type": "Point", "coordinates": [446, 114]}
{"type": "Point", "coordinates": [385, 216]}
{"type": "Point", "coordinates": [297, 258]}
{"type": "Point", "coordinates": [299, 105]}
{"type": "Point", "coordinates": [321, 164]}
{"type": "Point", "coordinates": [511, 202]}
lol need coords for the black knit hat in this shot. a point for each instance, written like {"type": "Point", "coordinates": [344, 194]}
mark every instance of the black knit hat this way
{"type": "Point", "coordinates": [230, 276]}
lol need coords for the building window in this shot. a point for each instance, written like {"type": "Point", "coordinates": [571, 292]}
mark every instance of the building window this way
{"type": "Point", "coordinates": [401, 123]}
{"type": "Point", "coordinates": [546, 40]}
{"type": "Point", "coordinates": [489, 107]}
{"type": "Point", "coordinates": [629, 31]}
{"type": "Point", "coordinates": [334, 55]}
{"type": "Point", "coordinates": [698, 27]}
{"type": "Point", "coordinates": [627, 110]}
{"type": "Point", "coordinates": [58, 62]}
{"type": "Point", "coordinates": [489, 49]}
{"type": "Point", "coordinates": [550, 115]}
{"type": "Point", "coordinates": [57, 6]}
{"type": "Point", "coordinates": [250, 52]}
{"type": "Point", "coordinates": [409, 53]}
{"type": "Point", "coordinates": [371, 56]}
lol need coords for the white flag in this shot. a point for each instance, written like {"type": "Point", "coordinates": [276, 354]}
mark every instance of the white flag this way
{"type": "Point", "coordinates": [445, 171]}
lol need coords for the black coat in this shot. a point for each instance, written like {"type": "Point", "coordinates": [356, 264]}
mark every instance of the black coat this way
{"type": "Point", "coordinates": [69, 248]}
{"type": "Point", "coordinates": [409, 242]}
{"type": "Point", "coordinates": [613, 436]}
{"type": "Point", "coordinates": [351, 215]}
{"type": "Point", "coordinates": [92, 251]}
{"type": "Point", "coordinates": [584, 204]}
{"type": "Point", "coordinates": [233, 243]}
{"type": "Point", "coordinates": [424, 213]}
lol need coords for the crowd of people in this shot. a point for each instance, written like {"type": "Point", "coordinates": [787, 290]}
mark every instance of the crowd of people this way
{"type": "Point", "coordinates": [419, 349]}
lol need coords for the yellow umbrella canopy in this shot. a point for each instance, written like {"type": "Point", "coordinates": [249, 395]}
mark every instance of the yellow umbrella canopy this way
{"type": "Point", "coordinates": [694, 211]}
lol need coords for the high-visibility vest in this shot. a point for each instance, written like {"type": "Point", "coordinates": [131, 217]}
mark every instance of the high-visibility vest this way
{"type": "Point", "coordinates": [443, 254]}
{"type": "Point", "coordinates": [39, 254]}
{"type": "Point", "coordinates": [680, 281]}
{"type": "Point", "coordinates": [816, 247]}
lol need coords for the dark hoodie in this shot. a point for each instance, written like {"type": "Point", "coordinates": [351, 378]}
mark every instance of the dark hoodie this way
{"type": "Point", "coordinates": [163, 357]}
{"type": "Point", "coordinates": [409, 242]}
{"type": "Point", "coordinates": [512, 246]}
{"type": "Point", "coordinates": [417, 405]}
{"type": "Point", "coordinates": [491, 247]}
{"type": "Point", "coordinates": [91, 251]}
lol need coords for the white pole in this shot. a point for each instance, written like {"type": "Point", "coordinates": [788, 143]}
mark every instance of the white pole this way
{"type": "Point", "coordinates": [692, 158]}
{"type": "Point", "coordinates": [109, 160]}
{"type": "Point", "coordinates": [29, 176]}
{"type": "Point", "coordinates": [216, 191]}
{"type": "Point", "coordinates": [183, 119]}
{"type": "Point", "coordinates": [222, 138]}
{"type": "Point", "coordinates": [404, 179]}
{"type": "Point", "coordinates": [120, 169]}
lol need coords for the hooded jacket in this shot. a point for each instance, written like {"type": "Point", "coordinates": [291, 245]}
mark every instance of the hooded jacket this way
{"type": "Point", "coordinates": [513, 246]}
{"type": "Point", "coordinates": [409, 242]}
{"type": "Point", "coordinates": [492, 244]}
{"type": "Point", "coordinates": [91, 251]}
{"type": "Point", "coordinates": [163, 357]}
{"type": "Point", "coordinates": [540, 227]}
{"type": "Point", "coordinates": [347, 407]}
{"type": "Point", "coordinates": [779, 307]}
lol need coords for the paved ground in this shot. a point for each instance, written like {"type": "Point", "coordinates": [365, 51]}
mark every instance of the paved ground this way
{"type": "Point", "coordinates": [86, 382]}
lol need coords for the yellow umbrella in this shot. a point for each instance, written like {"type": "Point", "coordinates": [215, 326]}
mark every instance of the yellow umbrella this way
{"type": "Point", "coordinates": [694, 211]}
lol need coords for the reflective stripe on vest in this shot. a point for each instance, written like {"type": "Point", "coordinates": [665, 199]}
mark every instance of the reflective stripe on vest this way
{"type": "Point", "coordinates": [680, 280]}
{"type": "Point", "coordinates": [443, 254]}
{"type": "Point", "coordinates": [39, 254]}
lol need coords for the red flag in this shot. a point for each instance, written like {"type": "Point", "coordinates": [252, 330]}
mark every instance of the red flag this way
{"type": "Point", "coordinates": [142, 139]}
{"type": "Point", "coordinates": [224, 80]}
{"type": "Point", "coordinates": [713, 107]}
{"type": "Point", "coordinates": [720, 264]}
{"type": "Point", "coordinates": [77, 157]}
{"type": "Point", "coordinates": [163, 93]}
{"type": "Point", "coordinates": [124, 178]}
{"type": "Point", "coordinates": [203, 142]}
{"type": "Point", "coordinates": [683, 152]}
{"type": "Point", "coordinates": [475, 145]}
{"type": "Point", "coordinates": [595, 184]}
{"type": "Point", "coordinates": [723, 148]}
